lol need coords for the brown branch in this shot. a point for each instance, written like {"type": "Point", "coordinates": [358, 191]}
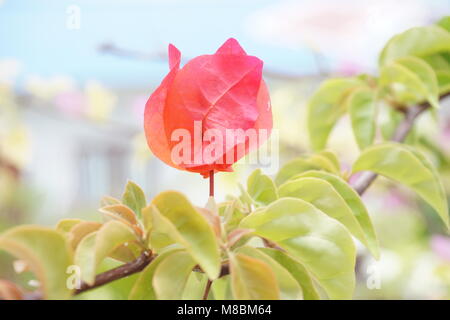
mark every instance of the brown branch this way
{"type": "Point", "coordinates": [120, 272]}
{"type": "Point", "coordinates": [400, 135]}
{"type": "Point", "coordinates": [207, 289]}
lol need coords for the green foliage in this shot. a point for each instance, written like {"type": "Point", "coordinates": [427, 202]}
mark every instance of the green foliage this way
{"type": "Point", "coordinates": [409, 167]}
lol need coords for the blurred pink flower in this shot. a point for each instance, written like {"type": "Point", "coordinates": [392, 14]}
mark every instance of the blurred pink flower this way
{"type": "Point", "coordinates": [441, 246]}
{"type": "Point", "coordinates": [71, 103]}
{"type": "Point", "coordinates": [349, 68]}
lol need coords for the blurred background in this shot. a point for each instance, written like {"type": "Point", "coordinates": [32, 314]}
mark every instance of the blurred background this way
{"type": "Point", "coordinates": [75, 76]}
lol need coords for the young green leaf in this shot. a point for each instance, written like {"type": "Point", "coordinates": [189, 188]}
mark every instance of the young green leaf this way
{"type": "Point", "coordinates": [419, 41]}
{"type": "Point", "coordinates": [143, 287]}
{"type": "Point", "coordinates": [134, 198]}
{"type": "Point", "coordinates": [355, 203]}
{"type": "Point", "coordinates": [46, 252]}
{"type": "Point", "coordinates": [293, 168]}
{"type": "Point", "coordinates": [79, 231]}
{"type": "Point", "coordinates": [188, 228]}
{"type": "Point", "coordinates": [443, 78]}
{"type": "Point", "coordinates": [65, 225]}
{"type": "Point", "coordinates": [331, 156]}
{"type": "Point", "coordinates": [261, 188]}
{"type": "Point", "coordinates": [297, 270]}
{"type": "Point", "coordinates": [288, 285]}
{"type": "Point", "coordinates": [362, 110]}
{"type": "Point", "coordinates": [171, 275]}
{"type": "Point", "coordinates": [324, 197]}
{"type": "Point", "coordinates": [326, 107]}
{"type": "Point", "coordinates": [407, 84]}
{"type": "Point", "coordinates": [252, 279]}
{"type": "Point", "coordinates": [320, 243]}
{"type": "Point", "coordinates": [397, 162]}
{"type": "Point", "coordinates": [98, 245]}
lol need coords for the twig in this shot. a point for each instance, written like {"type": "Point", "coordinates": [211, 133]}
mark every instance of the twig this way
{"type": "Point", "coordinates": [120, 272]}
{"type": "Point", "coordinates": [207, 289]}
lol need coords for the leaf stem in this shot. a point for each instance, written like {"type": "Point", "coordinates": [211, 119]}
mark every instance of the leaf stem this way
{"type": "Point", "coordinates": [207, 289]}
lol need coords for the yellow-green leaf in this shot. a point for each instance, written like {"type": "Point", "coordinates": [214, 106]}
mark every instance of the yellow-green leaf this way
{"type": "Point", "coordinates": [47, 254]}
{"type": "Point", "coordinates": [134, 198]}
{"type": "Point", "coordinates": [288, 285]}
{"type": "Point", "coordinates": [326, 107]}
{"type": "Point", "coordinates": [419, 41]}
{"type": "Point", "coordinates": [397, 162]}
{"type": "Point", "coordinates": [261, 188]}
{"type": "Point", "coordinates": [188, 228]}
{"type": "Point", "coordinates": [171, 275]}
{"type": "Point", "coordinates": [297, 270]}
{"type": "Point", "coordinates": [321, 194]}
{"type": "Point", "coordinates": [65, 225]}
{"type": "Point", "coordinates": [362, 110]}
{"type": "Point", "coordinates": [143, 287]}
{"type": "Point", "coordinates": [294, 167]}
{"type": "Point", "coordinates": [355, 203]}
{"type": "Point", "coordinates": [98, 245]}
{"type": "Point", "coordinates": [252, 279]}
{"type": "Point", "coordinates": [320, 243]}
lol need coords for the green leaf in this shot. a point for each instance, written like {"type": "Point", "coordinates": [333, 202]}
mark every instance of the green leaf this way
{"type": "Point", "coordinates": [331, 156]}
{"type": "Point", "coordinates": [294, 167]}
{"type": "Point", "coordinates": [323, 161]}
{"type": "Point", "coordinates": [46, 252]}
{"type": "Point", "coordinates": [143, 287]}
{"type": "Point", "coordinates": [186, 226]}
{"type": "Point", "coordinates": [444, 23]}
{"type": "Point", "coordinates": [109, 201]}
{"type": "Point", "coordinates": [100, 244]}
{"type": "Point", "coordinates": [411, 80]}
{"type": "Point", "coordinates": [288, 285]}
{"type": "Point", "coordinates": [261, 188]}
{"type": "Point", "coordinates": [443, 78]}
{"type": "Point", "coordinates": [297, 270]}
{"type": "Point", "coordinates": [65, 225]}
{"type": "Point", "coordinates": [355, 203]}
{"type": "Point", "coordinates": [171, 275]}
{"type": "Point", "coordinates": [195, 286]}
{"type": "Point", "coordinates": [319, 242]}
{"type": "Point", "coordinates": [252, 279]}
{"type": "Point", "coordinates": [400, 163]}
{"type": "Point", "coordinates": [420, 42]}
{"type": "Point", "coordinates": [324, 197]}
{"type": "Point", "coordinates": [82, 229]}
{"type": "Point", "coordinates": [362, 110]}
{"type": "Point", "coordinates": [134, 198]}
{"type": "Point", "coordinates": [326, 107]}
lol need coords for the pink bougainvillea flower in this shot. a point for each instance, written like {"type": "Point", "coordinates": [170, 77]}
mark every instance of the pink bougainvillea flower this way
{"type": "Point", "coordinates": [211, 98]}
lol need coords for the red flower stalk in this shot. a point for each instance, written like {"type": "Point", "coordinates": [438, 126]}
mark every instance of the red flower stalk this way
{"type": "Point", "coordinates": [211, 112]}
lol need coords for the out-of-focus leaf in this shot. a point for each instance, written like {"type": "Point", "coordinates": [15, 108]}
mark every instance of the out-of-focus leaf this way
{"type": "Point", "coordinates": [411, 80]}
{"type": "Point", "coordinates": [331, 156]}
{"type": "Point", "coordinates": [195, 286]}
{"type": "Point", "coordinates": [134, 198]}
{"type": "Point", "coordinates": [236, 235]}
{"type": "Point", "coordinates": [261, 188]}
{"type": "Point", "coordinates": [109, 201]}
{"type": "Point", "coordinates": [171, 275]}
{"type": "Point", "coordinates": [321, 194]}
{"type": "Point", "coordinates": [362, 110]}
{"type": "Point", "coordinates": [297, 270]}
{"type": "Point", "coordinates": [326, 107]}
{"type": "Point", "coordinates": [355, 203]}
{"type": "Point", "coordinates": [123, 214]}
{"type": "Point", "coordinates": [400, 163]}
{"type": "Point", "coordinates": [186, 226]}
{"type": "Point", "coordinates": [82, 229]}
{"type": "Point", "coordinates": [65, 225]}
{"type": "Point", "coordinates": [322, 245]}
{"type": "Point", "coordinates": [47, 254]}
{"type": "Point", "coordinates": [288, 285]}
{"type": "Point", "coordinates": [443, 78]}
{"type": "Point", "coordinates": [252, 279]}
{"type": "Point", "coordinates": [420, 42]}
{"type": "Point", "coordinates": [232, 213]}
{"type": "Point", "coordinates": [143, 287]}
{"type": "Point", "coordinates": [98, 245]}
{"type": "Point", "coordinates": [444, 23]}
{"type": "Point", "coordinates": [221, 288]}
{"type": "Point", "coordinates": [293, 168]}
